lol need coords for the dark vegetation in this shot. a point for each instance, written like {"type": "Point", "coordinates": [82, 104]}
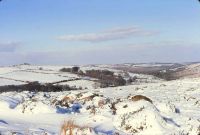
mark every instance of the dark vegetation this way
{"type": "Point", "coordinates": [106, 78]}
{"type": "Point", "coordinates": [167, 75]}
{"type": "Point", "coordinates": [141, 97]}
{"type": "Point", "coordinates": [36, 87]}
{"type": "Point", "coordinates": [65, 69]}
{"type": "Point", "coordinates": [72, 70]}
{"type": "Point", "coordinates": [166, 72]}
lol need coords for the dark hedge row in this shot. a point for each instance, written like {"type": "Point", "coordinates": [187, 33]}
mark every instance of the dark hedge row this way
{"type": "Point", "coordinates": [36, 87]}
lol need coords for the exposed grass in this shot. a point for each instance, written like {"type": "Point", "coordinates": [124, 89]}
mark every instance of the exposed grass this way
{"type": "Point", "coordinates": [141, 97]}
{"type": "Point", "coordinates": [69, 127]}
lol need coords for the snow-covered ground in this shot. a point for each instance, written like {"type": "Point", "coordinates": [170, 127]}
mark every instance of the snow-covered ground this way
{"type": "Point", "coordinates": [165, 107]}
{"type": "Point", "coordinates": [34, 73]}
{"type": "Point", "coordinates": [83, 84]}
{"type": "Point", "coordinates": [9, 82]}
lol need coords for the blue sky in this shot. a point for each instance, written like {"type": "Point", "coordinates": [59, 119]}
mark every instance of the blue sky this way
{"type": "Point", "coordinates": [99, 31]}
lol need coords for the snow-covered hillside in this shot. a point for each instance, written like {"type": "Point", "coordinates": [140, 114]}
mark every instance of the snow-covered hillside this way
{"type": "Point", "coordinates": [150, 107]}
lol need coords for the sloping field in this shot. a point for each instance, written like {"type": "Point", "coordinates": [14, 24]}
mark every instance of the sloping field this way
{"type": "Point", "coordinates": [161, 108]}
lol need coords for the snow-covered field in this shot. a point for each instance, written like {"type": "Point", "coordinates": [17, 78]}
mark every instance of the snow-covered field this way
{"type": "Point", "coordinates": [165, 107]}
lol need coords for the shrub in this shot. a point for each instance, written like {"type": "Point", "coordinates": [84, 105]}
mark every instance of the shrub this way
{"type": "Point", "coordinates": [75, 69]}
{"type": "Point", "coordinates": [80, 72]}
{"type": "Point", "coordinates": [26, 63]}
{"type": "Point", "coordinates": [119, 81]}
{"type": "Point", "coordinates": [113, 108]}
{"type": "Point", "coordinates": [99, 73]}
{"type": "Point", "coordinates": [93, 110]}
{"type": "Point", "coordinates": [65, 70]}
{"type": "Point", "coordinates": [107, 72]}
{"type": "Point", "coordinates": [168, 75]}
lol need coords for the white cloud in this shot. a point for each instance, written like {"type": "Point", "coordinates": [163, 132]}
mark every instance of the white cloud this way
{"type": "Point", "coordinates": [112, 34]}
{"type": "Point", "coordinates": [166, 51]}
